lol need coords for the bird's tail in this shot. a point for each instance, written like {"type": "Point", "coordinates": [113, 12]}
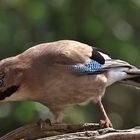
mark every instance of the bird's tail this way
{"type": "Point", "coordinates": [134, 79]}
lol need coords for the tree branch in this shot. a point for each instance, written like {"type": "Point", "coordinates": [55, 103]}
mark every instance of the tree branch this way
{"type": "Point", "coordinates": [46, 131]}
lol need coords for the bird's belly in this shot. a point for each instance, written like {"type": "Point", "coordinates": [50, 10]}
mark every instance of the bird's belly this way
{"type": "Point", "coordinates": [75, 89]}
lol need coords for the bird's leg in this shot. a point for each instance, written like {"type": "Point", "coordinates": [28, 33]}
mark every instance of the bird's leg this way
{"type": "Point", "coordinates": [58, 116]}
{"type": "Point", "coordinates": [105, 121]}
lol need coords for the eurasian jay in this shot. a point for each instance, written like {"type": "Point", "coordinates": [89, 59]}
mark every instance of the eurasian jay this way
{"type": "Point", "coordinates": [63, 73]}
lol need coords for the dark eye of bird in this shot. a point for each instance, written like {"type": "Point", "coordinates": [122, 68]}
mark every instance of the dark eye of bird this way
{"type": "Point", "coordinates": [1, 82]}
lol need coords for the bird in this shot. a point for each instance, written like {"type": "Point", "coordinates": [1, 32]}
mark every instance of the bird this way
{"type": "Point", "coordinates": [63, 73]}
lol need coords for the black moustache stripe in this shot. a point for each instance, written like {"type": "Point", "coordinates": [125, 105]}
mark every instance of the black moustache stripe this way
{"type": "Point", "coordinates": [8, 92]}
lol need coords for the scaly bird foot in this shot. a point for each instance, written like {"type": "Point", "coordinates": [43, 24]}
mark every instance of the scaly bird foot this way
{"type": "Point", "coordinates": [106, 123]}
{"type": "Point", "coordinates": [42, 123]}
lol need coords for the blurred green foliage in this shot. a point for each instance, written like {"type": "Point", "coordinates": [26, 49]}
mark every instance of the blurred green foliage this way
{"type": "Point", "coordinates": [112, 25]}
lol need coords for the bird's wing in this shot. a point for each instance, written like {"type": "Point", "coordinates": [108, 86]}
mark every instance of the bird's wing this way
{"type": "Point", "coordinates": [68, 52]}
{"type": "Point", "coordinates": [115, 63]}
{"type": "Point", "coordinates": [79, 57]}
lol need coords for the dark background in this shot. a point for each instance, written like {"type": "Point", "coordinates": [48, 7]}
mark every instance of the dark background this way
{"type": "Point", "coordinates": [112, 25]}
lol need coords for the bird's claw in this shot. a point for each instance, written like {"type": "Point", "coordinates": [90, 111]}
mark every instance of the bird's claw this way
{"type": "Point", "coordinates": [106, 123]}
{"type": "Point", "coordinates": [42, 123]}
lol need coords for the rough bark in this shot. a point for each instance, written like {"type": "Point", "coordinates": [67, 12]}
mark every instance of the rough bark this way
{"type": "Point", "coordinates": [46, 131]}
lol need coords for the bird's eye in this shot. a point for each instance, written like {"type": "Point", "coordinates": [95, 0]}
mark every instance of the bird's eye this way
{"type": "Point", "coordinates": [1, 82]}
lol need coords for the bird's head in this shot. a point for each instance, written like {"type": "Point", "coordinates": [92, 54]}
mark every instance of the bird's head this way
{"type": "Point", "coordinates": [11, 76]}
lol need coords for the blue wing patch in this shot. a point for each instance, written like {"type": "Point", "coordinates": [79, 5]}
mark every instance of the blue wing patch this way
{"type": "Point", "coordinates": [89, 68]}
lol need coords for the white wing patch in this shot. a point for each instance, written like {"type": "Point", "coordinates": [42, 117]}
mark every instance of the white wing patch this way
{"type": "Point", "coordinates": [106, 57]}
